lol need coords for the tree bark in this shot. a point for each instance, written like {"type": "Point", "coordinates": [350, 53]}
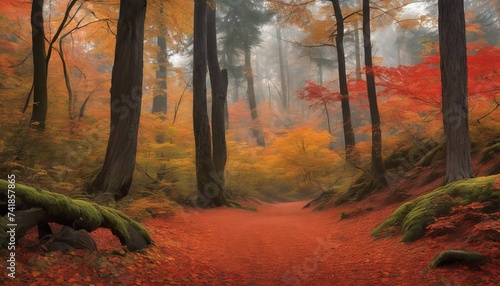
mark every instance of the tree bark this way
{"type": "Point", "coordinates": [453, 64]}
{"type": "Point", "coordinates": [210, 188]}
{"type": "Point", "coordinates": [114, 179]}
{"type": "Point", "coordinates": [219, 82]}
{"type": "Point", "coordinates": [357, 51]}
{"type": "Point", "coordinates": [257, 132]}
{"type": "Point", "coordinates": [377, 166]}
{"type": "Point", "coordinates": [39, 113]}
{"type": "Point", "coordinates": [344, 93]}
{"type": "Point", "coordinates": [284, 93]}
{"type": "Point", "coordinates": [160, 97]}
{"type": "Point", "coordinates": [67, 80]}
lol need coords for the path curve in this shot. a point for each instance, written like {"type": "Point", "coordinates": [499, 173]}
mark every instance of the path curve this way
{"type": "Point", "coordinates": [282, 244]}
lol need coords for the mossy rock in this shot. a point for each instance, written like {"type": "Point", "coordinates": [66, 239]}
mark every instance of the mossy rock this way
{"type": "Point", "coordinates": [413, 217]}
{"type": "Point", "coordinates": [457, 256]}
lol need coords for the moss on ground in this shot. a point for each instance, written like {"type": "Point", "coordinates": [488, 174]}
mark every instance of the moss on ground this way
{"type": "Point", "coordinates": [413, 217]}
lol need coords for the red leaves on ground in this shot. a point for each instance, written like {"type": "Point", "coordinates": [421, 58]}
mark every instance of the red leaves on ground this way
{"type": "Point", "coordinates": [281, 244]}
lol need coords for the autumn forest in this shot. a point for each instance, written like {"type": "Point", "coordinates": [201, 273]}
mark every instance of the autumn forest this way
{"type": "Point", "coordinates": [250, 142]}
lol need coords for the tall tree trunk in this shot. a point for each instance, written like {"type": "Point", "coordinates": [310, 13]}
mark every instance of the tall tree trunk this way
{"type": "Point", "coordinates": [284, 93]}
{"type": "Point", "coordinates": [257, 132]}
{"type": "Point", "coordinates": [258, 84]}
{"type": "Point", "coordinates": [39, 113]}
{"type": "Point", "coordinates": [346, 110]}
{"type": "Point", "coordinates": [357, 51]}
{"type": "Point", "coordinates": [114, 179]}
{"type": "Point", "coordinates": [377, 166]}
{"type": "Point", "coordinates": [287, 77]}
{"type": "Point", "coordinates": [320, 72]}
{"type": "Point", "coordinates": [455, 110]}
{"type": "Point", "coordinates": [209, 186]}
{"type": "Point", "coordinates": [236, 90]}
{"type": "Point", "coordinates": [218, 81]}
{"type": "Point", "coordinates": [160, 94]}
{"type": "Point", "coordinates": [66, 80]}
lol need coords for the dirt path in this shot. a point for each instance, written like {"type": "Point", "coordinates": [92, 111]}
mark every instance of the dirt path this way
{"type": "Point", "coordinates": [282, 244]}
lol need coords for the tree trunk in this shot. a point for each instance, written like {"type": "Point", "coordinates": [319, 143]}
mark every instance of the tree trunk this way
{"type": "Point", "coordinates": [257, 132]}
{"type": "Point", "coordinates": [320, 72]}
{"type": "Point", "coordinates": [160, 97]}
{"type": "Point", "coordinates": [67, 80]}
{"type": "Point", "coordinates": [284, 93]}
{"type": "Point", "coordinates": [39, 113]}
{"type": "Point", "coordinates": [455, 110]}
{"type": "Point", "coordinates": [377, 166]}
{"type": "Point", "coordinates": [357, 51]}
{"type": "Point", "coordinates": [114, 179]}
{"type": "Point", "coordinates": [160, 94]}
{"type": "Point", "coordinates": [346, 110]}
{"type": "Point", "coordinates": [210, 188]}
{"type": "Point", "coordinates": [218, 81]}
{"type": "Point", "coordinates": [236, 90]}
{"type": "Point", "coordinates": [39, 207]}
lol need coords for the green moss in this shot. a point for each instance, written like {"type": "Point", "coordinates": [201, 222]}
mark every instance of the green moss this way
{"type": "Point", "coordinates": [489, 152]}
{"type": "Point", "coordinates": [430, 156]}
{"type": "Point", "coordinates": [3, 232]}
{"type": "Point", "coordinates": [413, 217]}
{"type": "Point", "coordinates": [423, 214]}
{"type": "Point", "coordinates": [78, 214]}
{"type": "Point", "coordinates": [395, 220]}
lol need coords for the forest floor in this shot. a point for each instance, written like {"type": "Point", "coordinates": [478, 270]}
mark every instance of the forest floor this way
{"type": "Point", "coordinates": [280, 244]}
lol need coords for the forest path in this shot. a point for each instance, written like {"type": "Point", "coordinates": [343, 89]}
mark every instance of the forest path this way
{"type": "Point", "coordinates": [282, 244]}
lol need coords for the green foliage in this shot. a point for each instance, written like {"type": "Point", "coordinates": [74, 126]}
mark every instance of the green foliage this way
{"type": "Point", "coordinates": [413, 217]}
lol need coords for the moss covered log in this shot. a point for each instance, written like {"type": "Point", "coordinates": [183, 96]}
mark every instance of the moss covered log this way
{"type": "Point", "coordinates": [77, 214]}
{"type": "Point", "coordinates": [413, 217]}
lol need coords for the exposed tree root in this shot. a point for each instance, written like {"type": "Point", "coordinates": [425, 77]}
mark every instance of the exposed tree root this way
{"type": "Point", "coordinates": [363, 186]}
{"type": "Point", "coordinates": [320, 201]}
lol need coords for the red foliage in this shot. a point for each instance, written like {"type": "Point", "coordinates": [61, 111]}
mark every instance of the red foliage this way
{"type": "Point", "coordinates": [318, 95]}
{"type": "Point", "coordinates": [469, 221]}
{"type": "Point", "coordinates": [422, 81]}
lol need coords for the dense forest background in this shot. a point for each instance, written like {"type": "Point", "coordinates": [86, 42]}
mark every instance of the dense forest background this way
{"type": "Point", "coordinates": [130, 118]}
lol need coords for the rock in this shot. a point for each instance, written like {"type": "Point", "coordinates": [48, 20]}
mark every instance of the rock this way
{"type": "Point", "coordinates": [457, 256]}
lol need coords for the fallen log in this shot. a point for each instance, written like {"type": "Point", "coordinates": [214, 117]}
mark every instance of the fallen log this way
{"type": "Point", "coordinates": [45, 207]}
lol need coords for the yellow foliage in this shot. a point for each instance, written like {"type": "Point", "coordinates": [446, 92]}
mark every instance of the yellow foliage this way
{"type": "Point", "coordinates": [303, 155]}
